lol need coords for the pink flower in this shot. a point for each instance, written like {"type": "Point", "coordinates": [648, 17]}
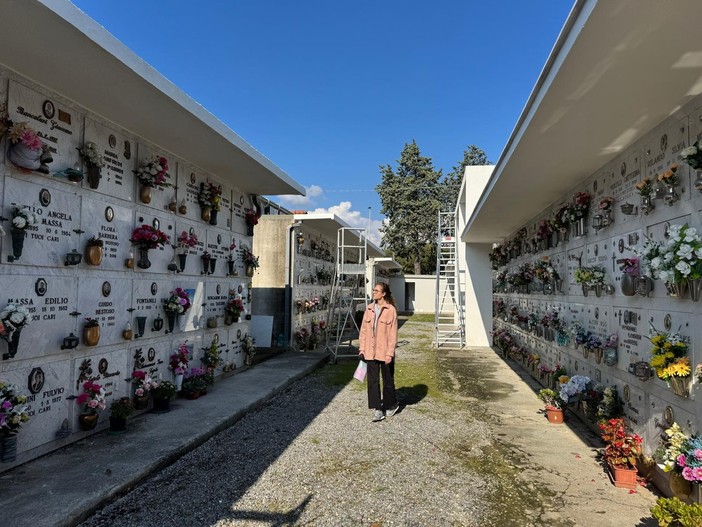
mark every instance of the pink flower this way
{"type": "Point", "coordinates": [681, 460]}
{"type": "Point", "coordinates": [697, 453]}
{"type": "Point", "coordinates": [92, 403]}
{"type": "Point", "coordinates": [687, 474]}
{"type": "Point", "coordinates": [697, 473]}
{"type": "Point", "coordinates": [139, 392]}
{"type": "Point", "coordinates": [31, 140]}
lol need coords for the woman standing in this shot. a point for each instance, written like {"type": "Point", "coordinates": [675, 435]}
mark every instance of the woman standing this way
{"type": "Point", "coordinates": [378, 338]}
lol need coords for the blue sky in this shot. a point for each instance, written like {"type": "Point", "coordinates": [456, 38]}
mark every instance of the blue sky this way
{"type": "Point", "coordinates": [330, 90]}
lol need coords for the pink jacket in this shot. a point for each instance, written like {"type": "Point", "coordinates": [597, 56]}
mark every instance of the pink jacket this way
{"type": "Point", "coordinates": [381, 343]}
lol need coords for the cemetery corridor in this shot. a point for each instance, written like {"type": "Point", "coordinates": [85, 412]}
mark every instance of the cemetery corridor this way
{"type": "Point", "coordinates": [469, 447]}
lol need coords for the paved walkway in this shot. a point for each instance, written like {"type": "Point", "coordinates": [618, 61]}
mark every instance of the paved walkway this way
{"type": "Point", "coordinates": [66, 486]}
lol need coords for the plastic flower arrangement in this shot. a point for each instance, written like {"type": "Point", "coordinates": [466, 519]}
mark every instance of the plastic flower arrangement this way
{"type": "Point", "coordinates": [681, 257]}
{"type": "Point", "coordinates": [147, 237]}
{"type": "Point", "coordinates": [249, 344]}
{"type": "Point", "coordinates": [251, 217]}
{"type": "Point", "coordinates": [25, 134]}
{"type": "Point", "coordinates": [576, 385]}
{"type": "Point", "coordinates": [612, 341]}
{"type": "Point", "coordinates": [92, 399]}
{"type": "Point", "coordinates": [211, 358]}
{"type": "Point", "coordinates": [669, 354]}
{"type": "Point", "coordinates": [621, 448]}
{"type": "Point", "coordinates": [689, 461]}
{"type": "Point", "coordinates": [545, 370]}
{"type": "Point", "coordinates": [644, 187]}
{"type": "Point", "coordinates": [551, 399]}
{"type": "Point", "coordinates": [153, 173]}
{"type": "Point", "coordinates": [301, 335]}
{"type": "Point", "coordinates": [544, 271]}
{"type": "Point", "coordinates": [670, 448]}
{"type": "Point", "coordinates": [23, 217]}
{"type": "Point", "coordinates": [533, 359]}
{"type": "Point", "coordinates": [544, 230]}
{"type": "Point", "coordinates": [178, 302]}
{"type": "Point", "coordinates": [235, 306]}
{"type": "Point", "coordinates": [14, 411]}
{"type": "Point", "coordinates": [12, 318]}
{"type": "Point", "coordinates": [606, 203]}
{"type": "Point", "coordinates": [579, 207]}
{"type": "Point", "coordinates": [670, 176]}
{"type": "Point", "coordinates": [178, 361]}
{"type": "Point", "coordinates": [592, 342]}
{"type": "Point", "coordinates": [561, 219]}
{"type": "Point", "coordinates": [249, 258]}
{"type": "Point", "coordinates": [210, 196]}
{"type": "Point", "coordinates": [692, 155]}
{"type": "Point", "coordinates": [187, 241]}
{"type": "Point", "coordinates": [90, 155]}
{"type": "Point", "coordinates": [610, 406]}
{"type": "Point", "coordinates": [143, 383]}
{"type": "Point", "coordinates": [578, 333]}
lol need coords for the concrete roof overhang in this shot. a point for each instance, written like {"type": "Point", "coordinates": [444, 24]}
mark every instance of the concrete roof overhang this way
{"type": "Point", "coordinates": [616, 71]}
{"type": "Point", "coordinates": [58, 46]}
{"type": "Point", "coordinates": [386, 263]}
{"type": "Point", "coordinates": [328, 224]}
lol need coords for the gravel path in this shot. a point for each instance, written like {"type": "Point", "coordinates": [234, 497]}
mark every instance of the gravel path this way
{"type": "Point", "coordinates": [313, 457]}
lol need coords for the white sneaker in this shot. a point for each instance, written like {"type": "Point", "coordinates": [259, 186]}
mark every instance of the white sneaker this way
{"type": "Point", "coordinates": [392, 411]}
{"type": "Point", "coordinates": [377, 415]}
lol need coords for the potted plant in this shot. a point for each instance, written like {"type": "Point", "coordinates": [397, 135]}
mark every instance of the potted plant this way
{"type": "Point", "coordinates": [143, 384]}
{"type": "Point", "coordinates": [211, 358]}
{"type": "Point", "coordinates": [553, 405]}
{"type": "Point", "coordinates": [621, 452]}
{"type": "Point", "coordinates": [250, 260]}
{"type": "Point", "coordinates": [14, 412]}
{"type": "Point", "coordinates": [91, 401]}
{"type": "Point", "coordinates": [152, 174]}
{"type": "Point", "coordinates": [22, 219]}
{"type": "Point", "coordinates": [249, 349]}
{"type": "Point", "coordinates": [119, 411]}
{"type": "Point", "coordinates": [176, 304]}
{"type": "Point", "coordinates": [93, 159]}
{"type": "Point", "coordinates": [194, 383]}
{"type": "Point", "coordinates": [147, 237]}
{"type": "Point", "coordinates": [233, 310]}
{"type": "Point", "coordinates": [178, 364]}
{"type": "Point", "coordinates": [12, 320]}
{"type": "Point", "coordinates": [671, 512]}
{"type": "Point", "coordinates": [163, 392]}
{"type": "Point", "coordinates": [93, 251]}
{"type": "Point", "coordinates": [91, 331]}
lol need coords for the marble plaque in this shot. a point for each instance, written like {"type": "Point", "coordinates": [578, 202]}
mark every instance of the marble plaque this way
{"type": "Point", "coordinates": [597, 320]}
{"type": "Point", "coordinates": [189, 181]}
{"type": "Point", "coordinates": [153, 357]}
{"type": "Point", "coordinates": [240, 202]}
{"type": "Point", "coordinates": [194, 318]}
{"type": "Point", "coordinates": [111, 223]}
{"type": "Point", "coordinates": [119, 153]}
{"type": "Point", "coordinates": [160, 258]}
{"type": "Point", "coordinates": [109, 369]}
{"type": "Point", "coordinates": [107, 300]}
{"type": "Point", "coordinates": [50, 301]}
{"type": "Point", "coordinates": [632, 330]}
{"type": "Point", "coordinates": [660, 411]}
{"type": "Point", "coordinates": [160, 197]}
{"type": "Point", "coordinates": [147, 301]}
{"type": "Point", "coordinates": [627, 174]}
{"type": "Point", "coordinates": [58, 125]}
{"type": "Point", "coordinates": [48, 241]}
{"type": "Point", "coordinates": [225, 215]}
{"type": "Point", "coordinates": [217, 244]}
{"type": "Point", "coordinates": [633, 401]}
{"type": "Point", "coordinates": [47, 388]}
{"type": "Point", "coordinates": [216, 297]}
{"type": "Point", "coordinates": [576, 255]}
{"type": "Point", "coordinates": [193, 263]}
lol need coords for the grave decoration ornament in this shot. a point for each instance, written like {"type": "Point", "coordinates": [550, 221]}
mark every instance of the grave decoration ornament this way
{"type": "Point", "coordinates": [22, 219]}
{"type": "Point", "coordinates": [147, 237]}
{"type": "Point", "coordinates": [94, 162]}
{"type": "Point", "coordinates": [91, 401]}
{"type": "Point", "coordinates": [12, 320]}
{"type": "Point", "coordinates": [26, 149]}
{"type": "Point", "coordinates": [152, 173]}
{"type": "Point", "coordinates": [210, 200]}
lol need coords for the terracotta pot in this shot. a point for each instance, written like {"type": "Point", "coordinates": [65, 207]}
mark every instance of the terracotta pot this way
{"type": "Point", "coordinates": [87, 421]}
{"type": "Point", "coordinates": [118, 425]}
{"type": "Point", "coordinates": [93, 254]}
{"type": "Point", "coordinates": [206, 214]}
{"type": "Point", "coordinates": [145, 194]}
{"type": "Point", "coordinates": [161, 406]}
{"type": "Point", "coordinates": [555, 415]}
{"type": "Point", "coordinates": [624, 478]}
{"type": "Point", "coordinates": [91, 336]}
{"type": "Point", "coordinates": [193, 394]}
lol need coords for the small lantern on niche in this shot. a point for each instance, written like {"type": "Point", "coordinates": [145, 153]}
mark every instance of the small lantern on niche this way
{"type": "Point", "coordinates": [73, 258]}
{"type": "Point", "coordinates": [641, 369]}
{"type": "Point", "coordinates": [128, 333]}
{"type": "Point", "coordinates": [300, 238]}
{"type": "Point", "coordinates": [70, 342]}
{"type": "Point", "coordinates": [129, 262]}
{"type": "Point", "coordinates": [158, 324]}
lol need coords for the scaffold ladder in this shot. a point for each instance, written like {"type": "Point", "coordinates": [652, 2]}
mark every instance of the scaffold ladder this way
{"type": "Point", "coordinates": [347, 294]}
{"type": "Point", "coordinates": [448, 309]}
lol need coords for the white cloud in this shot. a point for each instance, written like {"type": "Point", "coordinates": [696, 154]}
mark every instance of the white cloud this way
{"type": "Point", "coordinates": [291, 200]}
{"type": "Point", "coordinates": [355, 219]}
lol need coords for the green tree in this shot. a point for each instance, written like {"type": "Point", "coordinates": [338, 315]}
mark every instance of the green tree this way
{"type": "Point", "coordinates": [410, 198]}
{"type": "Point", "coordinates": [451, 185]}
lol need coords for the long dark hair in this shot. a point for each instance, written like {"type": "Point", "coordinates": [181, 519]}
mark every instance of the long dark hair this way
{"type": "Point", "coordinates": [388, 294]}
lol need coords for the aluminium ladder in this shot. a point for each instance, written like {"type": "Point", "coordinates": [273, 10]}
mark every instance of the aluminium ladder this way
{"type": "Point", "coordinates": [348, 293]}
{"type": "Point", "coordinates": [448, 306]}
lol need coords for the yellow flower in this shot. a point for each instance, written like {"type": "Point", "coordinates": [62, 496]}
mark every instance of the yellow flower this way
{"type": "Point", "coordinates": [680, 368]}
{"type": "Point", "coordinates": [667, 346]}
{"type": "Point", "coordinates": [563, 379]}
{"type": "Point", "coordinates": [658, 361]}
{"type": "Point", "coordinates": [657, 340]}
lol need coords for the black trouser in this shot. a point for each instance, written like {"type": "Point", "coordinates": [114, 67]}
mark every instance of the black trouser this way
{"type": "Point", "coordinates": [389, 399]}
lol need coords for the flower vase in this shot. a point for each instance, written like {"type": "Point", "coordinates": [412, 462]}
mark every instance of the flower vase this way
{"type": "Point", "coordinates": [87, 421]}
{"type": "Point", "coordinates": [170, 319]}
{"type": "Point", "coordinates": [12, 345]}
{"type": "Point", "coordinates": [554, 415]}
{"type": "Point", "coordinates": [18, 236]}
{"type": "Point", "coordinates": [671, 195]}
{"type": "Point", "coordinates": [676, 290]}
{"type": "Point", "coordinates": [231, 269]}
{"type": "Point", "coordinates": [178, 377]}
{"type": "Point", "coordinates": [598, 355]}
{"type": "Point", "coordinates": [228, 319]}
{"type": "Point", "coordinates": [140, 402]}
{"type": "Point", "coordinates": [93, 255]}
{"type": "Point", "coordinates": [206, 214]}
{"type": "Point", "coordinates": [624, 478]}
{"type": "Point", "coordinates": [141, 326]}
{"type": "Point", "coordinates": [91, 335]}
{"type": "Point", "coordinates": [610, 356]}
{"type": "Point", "coordinates": [680, 385]}
{"type": "Point", "coordinates": [562, 235]}
{"type": "Point", "coordinates": [8, 448]}
{"type": "Point", "coordinates": [145, 194]}
{"type": "Point", "coordinates": [249, 230]}
{"type": "Point", "coordinates": [213, 265]}
{"type": "Point", "coordinates": [24, 157]}
{"type": "Point", "coordinates": [598, 290]}
{"type": "Point", "coordinates": [143, 262]}
{"type": "Point", "coordinates": [628, 284]}
{"type": "Point", "coordinates": [118, 425]}
{"type": "Point", "coordinates": [585, 288]}
{"type": "Point", "coordinates": [695, 286]}
{"type": "Point", "coordinates": [697, 184]}
{"type": "Point", "coordinates": [646, 205]}
{"type": "Point", "coordinates": [181, 261]}
{"type": "Point", "coordinates": [94, 176]}
{"type": "Point", "coordinates": [161, 405]}
{"type": "Point", "coordinates": [250, 270]}
{"type": "Point", "coordinates": [213, 217]}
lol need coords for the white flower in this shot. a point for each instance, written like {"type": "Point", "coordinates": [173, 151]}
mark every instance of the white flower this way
{"type": "Point", "coordinates": [668, 257]}
{"type": "Point", "coordinates": [153, 172]}
{"type": "Point", "coordinates": [656, 263]}
{"type": "Point", "coordinates": [685, 251]}
{"type": "Point", "coordinates": [689, 151]}
{"type": "Point", "coordinates": [665, 276]}
{"type": "Point", "coordinates": [17, 317]}
{"type": "Point", "coordinates": [2, 231]}
{"type": "Point", "coordinates": [698, 253]}
{"type": "Point", "coordinates": [19, 222]}
{"type": "Point", "coordinates": [684, 268]}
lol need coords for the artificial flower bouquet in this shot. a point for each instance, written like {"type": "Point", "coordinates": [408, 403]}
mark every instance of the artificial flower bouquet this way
{"type": "Point", "coordinates": [235, 307]}
{"type": "Point", "coordinates": [210, 196]}
{"type": "Point", "coordinates": [179, 301]}
{"type": "Point", "coordinates": [251, 217]}
{"type": "Point", "coordinates": [605, 204]}
{"type": "Point", "coordinates": [644, 187]}
{"type": "Point", "coordinates": [178, 361]}
{"type": "Point", "coordinates": [670, 354]}
{"type": "Point", "coordinates": [92, 399]}
{"type": "Point", "coordinates": [14, 411]}
{"type": "Point", "coordinates": [148, 237]}
{"type": "Point", "coordinates": [670, 176]}
{"type": "Point", "coordinates": [211, 358]}
{"type": "Point", "coordinates": [544, 230]}
{"type": "Point", "coordinates": [692, 155]}
{"type": "Point", "coordinates": [186, 241]}
{"type": "Point", "coordinates": [22, 218]}
{"type": "Point", "coordinates": [91, 156]}
{"type": "Point", "coordinates": [579, 206]}
{"type": "Point", "coordinates": [153, 172]}
{"type": "Point", "coordinates": [249, 258]}
{"type": "Point", "coordinates": [576, 385]}
{"type": "Point", "coordinates": [13, 318]}
{"type": "Point", "coordinates": [143, 383]}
